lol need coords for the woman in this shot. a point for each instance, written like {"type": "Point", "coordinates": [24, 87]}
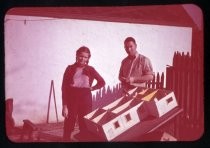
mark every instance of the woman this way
{"type": "Point", "coordinates": [76, 91]}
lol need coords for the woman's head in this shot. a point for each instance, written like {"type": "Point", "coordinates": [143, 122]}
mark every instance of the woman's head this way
{"type": "Point", "coordinates": [83, 55]}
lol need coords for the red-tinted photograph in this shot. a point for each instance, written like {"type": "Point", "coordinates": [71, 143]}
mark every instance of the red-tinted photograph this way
{"type": "Point", "coordinates": [104, 74]}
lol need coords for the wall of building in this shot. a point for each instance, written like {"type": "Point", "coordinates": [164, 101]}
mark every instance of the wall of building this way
{"type": "Point", "coordinates": [38, 49]}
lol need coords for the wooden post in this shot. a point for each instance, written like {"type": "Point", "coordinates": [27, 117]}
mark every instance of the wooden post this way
{"type": "Point", "coordinates": [52, 90]}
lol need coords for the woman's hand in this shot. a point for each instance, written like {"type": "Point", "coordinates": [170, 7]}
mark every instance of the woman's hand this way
{"type": "Point", "coordinates": [91, 89]}
{"type": "Point", "coordinates": [65, 111]}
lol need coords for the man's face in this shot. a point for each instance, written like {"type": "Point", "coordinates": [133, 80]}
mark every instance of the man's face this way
{"type": "Point", "coordinates": [130, 48]}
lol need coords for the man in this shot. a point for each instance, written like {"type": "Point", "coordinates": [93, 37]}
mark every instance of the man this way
{"type": "Point", "coordinates": [136, 69]}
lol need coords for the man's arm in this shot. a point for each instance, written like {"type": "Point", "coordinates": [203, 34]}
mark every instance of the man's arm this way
{"type": "Point", "coordinates": [141, 79]}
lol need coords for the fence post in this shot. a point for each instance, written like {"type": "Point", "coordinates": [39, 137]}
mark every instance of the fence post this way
{"type": "Point", "coordinates": [52, 90]}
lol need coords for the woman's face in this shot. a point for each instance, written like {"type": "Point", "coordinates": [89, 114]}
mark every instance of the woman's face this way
{"type": "Point", "coordinates": [83, 58]}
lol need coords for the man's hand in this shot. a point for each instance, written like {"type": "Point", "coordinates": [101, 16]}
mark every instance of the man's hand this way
{"type": "Point", "coordinates": [129, 80]}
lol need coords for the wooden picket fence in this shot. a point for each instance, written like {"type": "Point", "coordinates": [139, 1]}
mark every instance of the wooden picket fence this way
{"type": "Point", "coordinates": [157, 82]}
{"type": "Point", "coordinates": [185, 78]}
{"type": "Point", "coordinates": [106, 95]}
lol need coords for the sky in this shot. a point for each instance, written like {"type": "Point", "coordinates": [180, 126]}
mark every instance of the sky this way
{"type": "Point", "coordinates": [38, 49]}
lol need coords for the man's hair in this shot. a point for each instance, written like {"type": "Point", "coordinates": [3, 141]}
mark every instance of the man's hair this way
{"type": "Point", "coordinates": [83, 49]}
{"type": "Point", "coordinates": [128, 39]}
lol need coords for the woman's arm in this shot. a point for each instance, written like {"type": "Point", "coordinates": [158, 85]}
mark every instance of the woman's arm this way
{"type": "Point", "coordinates": [100, 81]}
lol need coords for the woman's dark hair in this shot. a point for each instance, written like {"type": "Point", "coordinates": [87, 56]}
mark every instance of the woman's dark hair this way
{"type": "Point", "coordinates": [83, 49]}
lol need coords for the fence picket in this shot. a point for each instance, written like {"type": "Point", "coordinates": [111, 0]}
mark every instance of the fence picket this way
{"type": "Point", "coordinates": [185, 78]}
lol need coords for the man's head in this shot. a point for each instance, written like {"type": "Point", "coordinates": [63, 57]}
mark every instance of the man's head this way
{"type": "Point", "coordinates": [130, 46]}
